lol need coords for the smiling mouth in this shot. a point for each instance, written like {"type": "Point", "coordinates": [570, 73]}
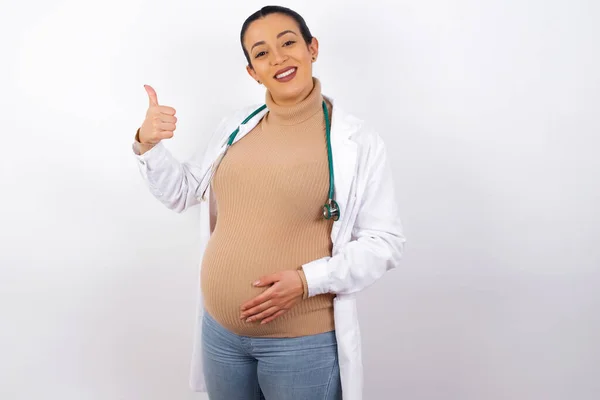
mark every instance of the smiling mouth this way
{"type": "Point", "coordinates": [288, 74]}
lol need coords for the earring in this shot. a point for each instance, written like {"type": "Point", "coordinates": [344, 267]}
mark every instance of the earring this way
{"type": "Point", "coordinates": [258, 82]}
{"type": "Point", "coordinates": [314, 58]}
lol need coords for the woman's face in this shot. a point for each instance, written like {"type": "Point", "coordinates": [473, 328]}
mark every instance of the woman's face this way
{"type": "Point", "coordinates": [280, 58]}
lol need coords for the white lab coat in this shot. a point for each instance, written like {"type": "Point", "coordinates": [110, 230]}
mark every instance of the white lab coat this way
{"type": "Point", "coordinates": [367, 239]}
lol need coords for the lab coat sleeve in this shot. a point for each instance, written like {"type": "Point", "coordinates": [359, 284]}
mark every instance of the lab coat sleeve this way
{"type": "Point", "coordinates": [377, 240]}
{"type": "Point", "coordinates": [173, 183]}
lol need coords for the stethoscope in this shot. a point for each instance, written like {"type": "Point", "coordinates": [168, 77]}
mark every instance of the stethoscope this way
{"type": "Point", "coordinates": [331, 210]}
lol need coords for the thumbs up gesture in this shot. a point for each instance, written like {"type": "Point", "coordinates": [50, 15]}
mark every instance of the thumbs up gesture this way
{"type": "Point", "coordinates": [159, 123]}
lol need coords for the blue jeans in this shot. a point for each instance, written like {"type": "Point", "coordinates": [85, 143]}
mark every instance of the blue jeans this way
{"type": "Point", "coordinates": [252, 368]}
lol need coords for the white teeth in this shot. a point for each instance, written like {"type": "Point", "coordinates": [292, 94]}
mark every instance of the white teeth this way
{"type": "Point", "coordinates": [291, 71]}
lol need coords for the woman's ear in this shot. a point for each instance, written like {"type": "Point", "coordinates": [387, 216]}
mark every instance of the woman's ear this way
{"type": "Point", "coordinates": [313, 48]}
{"type": "Point", "coordinates": [252, 73]}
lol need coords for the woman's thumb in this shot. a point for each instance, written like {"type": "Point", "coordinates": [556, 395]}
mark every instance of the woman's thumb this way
{"type": "Point", "coordinates": [151, 95]}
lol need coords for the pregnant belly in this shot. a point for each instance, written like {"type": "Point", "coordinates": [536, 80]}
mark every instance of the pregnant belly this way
{"type": "Point", "coordinates": [225, 287]}
{"type": "Point", "coordinates": [234, 259]}
{"type": "Point", "coordinates": [227, 273]}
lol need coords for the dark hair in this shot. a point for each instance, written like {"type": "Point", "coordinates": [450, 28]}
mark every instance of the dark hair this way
{"type": "Point", "coordinates": [263, 12]}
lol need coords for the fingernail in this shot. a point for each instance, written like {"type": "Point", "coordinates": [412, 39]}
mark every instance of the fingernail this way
{"type": "Point", "coordinates": [249, 320]}
{"type": "Point", "coordinates": [256, 283]}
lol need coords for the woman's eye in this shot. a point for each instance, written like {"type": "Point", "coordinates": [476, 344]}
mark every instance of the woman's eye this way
{"type": "Point", "coordinates": [289, 43]}
{"type": "Point", "coordinates": [262, 53]}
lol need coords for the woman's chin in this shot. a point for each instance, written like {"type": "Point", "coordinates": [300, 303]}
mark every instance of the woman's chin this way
{"type": "Point", "coordinates": [291, 93]}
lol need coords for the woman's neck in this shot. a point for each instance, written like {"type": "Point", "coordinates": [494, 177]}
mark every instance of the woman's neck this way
{"type": "Point", "coordinates": [300, 111]}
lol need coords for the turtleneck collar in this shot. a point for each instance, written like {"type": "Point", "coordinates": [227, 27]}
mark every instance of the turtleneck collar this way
{"type": "Point", "coordinates": [293, 115]}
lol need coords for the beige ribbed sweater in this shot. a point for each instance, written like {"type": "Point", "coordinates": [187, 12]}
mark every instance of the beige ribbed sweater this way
{"type": "Point", "coordinates": [270, 189]}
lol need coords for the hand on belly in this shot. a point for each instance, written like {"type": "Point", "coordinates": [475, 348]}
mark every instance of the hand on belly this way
{"type": "Point", "coordinates": [284, 292]}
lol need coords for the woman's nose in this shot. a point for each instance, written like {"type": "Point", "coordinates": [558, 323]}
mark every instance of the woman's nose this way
{"type": "Point", "coordinates": [277, 57]}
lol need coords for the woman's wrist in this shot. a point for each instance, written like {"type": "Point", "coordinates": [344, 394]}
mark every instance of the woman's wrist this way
{"type": "Point", "coordinates": [144, 147]}
{"type": "Point", "coordinates": [304, 283]}
{"type": "Point", "coordinates": [137, 138]}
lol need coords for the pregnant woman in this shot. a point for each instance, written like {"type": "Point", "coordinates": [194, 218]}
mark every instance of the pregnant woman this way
{"type": "Point", "coordinates": [298, 215]}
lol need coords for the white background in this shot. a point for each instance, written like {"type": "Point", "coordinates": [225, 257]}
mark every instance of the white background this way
{"type": "Point", "coordinates": [490, 110]}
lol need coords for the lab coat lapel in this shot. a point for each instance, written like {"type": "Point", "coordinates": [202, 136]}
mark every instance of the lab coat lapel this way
{"type": "Point", "coordinates": [217, 152]}
{"type": "Point", "coordinates": [243, 130]}
{"type": "Point", "coordinates": [248, 126]}
{"type": "Point", "coordinates": [344, 154]}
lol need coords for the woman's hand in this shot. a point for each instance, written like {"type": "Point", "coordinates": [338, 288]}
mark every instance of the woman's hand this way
{"type": "Point", "coordinates": [285, 292]}
{"type": "Point", "coordinates": [159, 123]}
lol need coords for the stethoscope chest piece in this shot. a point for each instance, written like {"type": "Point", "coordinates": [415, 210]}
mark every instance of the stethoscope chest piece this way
{"type": "Point", "coordinates": [331, 210]}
